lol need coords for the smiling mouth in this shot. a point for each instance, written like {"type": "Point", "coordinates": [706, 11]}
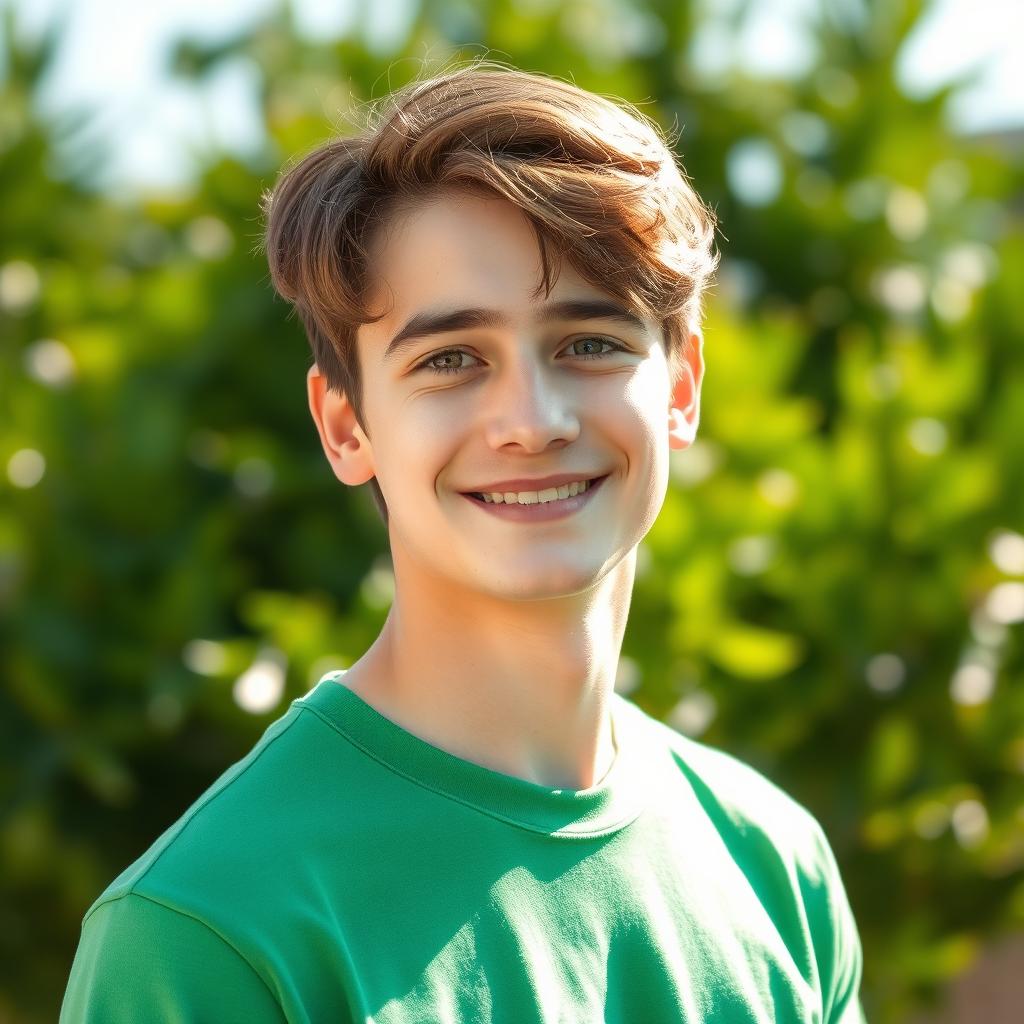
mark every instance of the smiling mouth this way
{"type": "Point", "coordinates": [478, 495]}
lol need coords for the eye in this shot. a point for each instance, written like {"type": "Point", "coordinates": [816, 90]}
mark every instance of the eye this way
{"type": "Point", "coordinates": [596, 338]}
{"type": "Point", "coordinates": [448, 353]}
{"type": "Point", "coordinates": [454, 354]}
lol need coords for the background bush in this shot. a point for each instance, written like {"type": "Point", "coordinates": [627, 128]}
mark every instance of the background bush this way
{"type": "Point", "coordinates": [833, 592]}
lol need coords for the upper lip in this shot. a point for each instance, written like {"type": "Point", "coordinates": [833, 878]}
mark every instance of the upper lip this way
{"type": "Point", "coordinates": [540, 484]}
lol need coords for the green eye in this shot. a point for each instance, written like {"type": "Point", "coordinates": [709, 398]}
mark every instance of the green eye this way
{"type": "Point", "coordinates": [428, 363]}
{"type": "Point", "coordinates": [603, 341]}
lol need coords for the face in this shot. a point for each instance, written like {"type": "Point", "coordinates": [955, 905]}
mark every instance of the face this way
{"type": "Point", "coordinates": [461, 404]}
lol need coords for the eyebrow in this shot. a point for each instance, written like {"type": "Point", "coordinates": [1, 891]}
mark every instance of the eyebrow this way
{"type": "Point", "coordinates": [424, 325]}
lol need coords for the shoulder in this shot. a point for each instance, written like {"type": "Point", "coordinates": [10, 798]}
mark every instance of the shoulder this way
{"type": "Point", "coordinates": [785, 854]}
{"type": "Point", "coordinates": [737, 796]}
{"type": "Point", "coordinates": [205, 918]}
{"type": "Point", "coordinates": [207, 857]}
{"type": "Point", "coordinates": [137, 957]}
{"type": "Point", "coordinates": [176, 920]}
{"type": "Point", "coordinates": [770, 837]}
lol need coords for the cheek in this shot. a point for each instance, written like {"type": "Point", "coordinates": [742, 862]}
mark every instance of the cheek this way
{"type": "Point", "coordinates": [641, 424]}
{"type": "Point", "coordinates": [644, 410]}
{"type": "Point", "coordinates": [421, 440]}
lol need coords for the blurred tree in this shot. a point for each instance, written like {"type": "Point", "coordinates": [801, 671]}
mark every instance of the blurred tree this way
{"type": "Point", "coordinates": [833, 591]}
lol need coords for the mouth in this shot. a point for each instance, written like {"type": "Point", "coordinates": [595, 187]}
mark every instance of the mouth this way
{"type": "Point", "coordinates": [478, 495]}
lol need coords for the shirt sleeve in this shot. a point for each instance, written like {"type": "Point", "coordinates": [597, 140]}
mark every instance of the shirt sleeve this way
{"type": "Point", "coordinates": [139, 960]}
{"type": "Point", "coordinates": [841, 953]}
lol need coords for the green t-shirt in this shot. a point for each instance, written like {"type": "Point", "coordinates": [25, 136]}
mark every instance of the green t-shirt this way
{"type": "Point", "coordinates": [346, 870]}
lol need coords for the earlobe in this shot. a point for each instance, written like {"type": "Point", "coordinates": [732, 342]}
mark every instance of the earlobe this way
{"type": "Point", "coordinates": [346, 446]}
{"type": "Point", "coordinates": [684, 404]}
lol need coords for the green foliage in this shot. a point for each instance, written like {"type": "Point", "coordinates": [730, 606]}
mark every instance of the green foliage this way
{"type": "Point", "coordinates": [832, 591]}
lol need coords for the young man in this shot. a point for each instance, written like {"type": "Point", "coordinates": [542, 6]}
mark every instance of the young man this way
{"type": "Point", "coordinates": [501, 282]}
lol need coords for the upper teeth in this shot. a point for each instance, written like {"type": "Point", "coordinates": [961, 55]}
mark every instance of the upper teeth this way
{"type": "Point", "coordinates": [535, 497]}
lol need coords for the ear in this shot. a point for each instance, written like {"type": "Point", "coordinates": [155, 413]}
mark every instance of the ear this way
{"type": "Point", "coordinates": [684, 403]}
{"type": "Point", "coordinates": [346, 446]}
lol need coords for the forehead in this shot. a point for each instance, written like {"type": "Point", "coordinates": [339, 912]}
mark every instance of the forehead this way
{"type": "Point", "coordinates": [462, 249]}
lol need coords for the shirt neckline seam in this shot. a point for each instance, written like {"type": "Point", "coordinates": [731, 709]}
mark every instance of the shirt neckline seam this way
{"type": "Point", "coordinates": [528, 826]}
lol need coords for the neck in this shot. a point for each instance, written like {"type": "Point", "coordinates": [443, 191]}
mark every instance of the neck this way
{"type": "Point", "coordinates": [521, 687]}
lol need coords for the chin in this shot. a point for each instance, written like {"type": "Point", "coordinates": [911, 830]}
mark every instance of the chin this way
{"type": "Point", "coordinates": [544, 581]}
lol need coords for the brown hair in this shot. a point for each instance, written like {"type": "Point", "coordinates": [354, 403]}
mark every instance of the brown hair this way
{"type": "Point", "coordinates": [598, 181]}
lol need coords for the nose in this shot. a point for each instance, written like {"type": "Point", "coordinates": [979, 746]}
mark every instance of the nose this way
{"type": "Point", "coordinates": [526, 407]}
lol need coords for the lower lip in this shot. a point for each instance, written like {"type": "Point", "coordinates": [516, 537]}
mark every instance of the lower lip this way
{"type": "Point", "coordinates": [541, 512]}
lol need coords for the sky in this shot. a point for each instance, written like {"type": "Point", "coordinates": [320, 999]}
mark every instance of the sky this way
{"type": "Point", "coordinates": [154, 123]}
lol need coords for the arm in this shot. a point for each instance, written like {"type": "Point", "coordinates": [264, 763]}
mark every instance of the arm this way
{"type": "Point", "coordinates": [140, 960]}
